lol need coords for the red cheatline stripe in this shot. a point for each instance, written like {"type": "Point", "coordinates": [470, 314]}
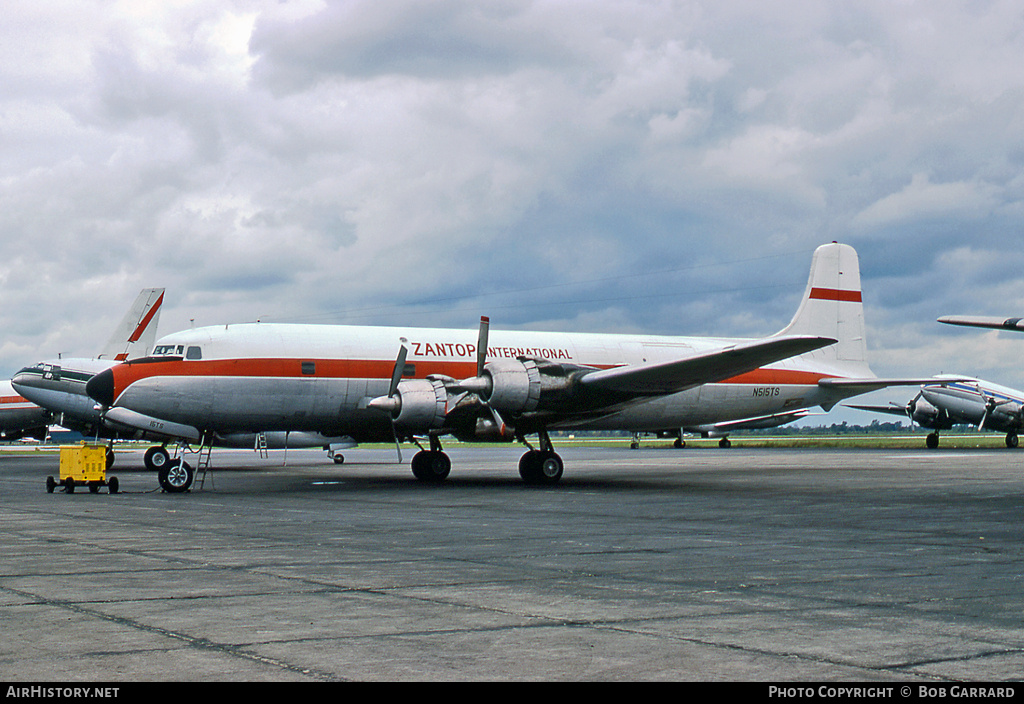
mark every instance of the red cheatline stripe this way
{"type": "Point", "coordinates": [13, 399]}
{"type": "Point", "coordinates": [127, 374]}
{"type": "Point", "coordinates": [832, 294]}
{"type": "Point", "coordinates": [146, 321]}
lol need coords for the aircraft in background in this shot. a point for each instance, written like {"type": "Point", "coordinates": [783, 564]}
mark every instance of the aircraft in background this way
{"type": "Point", "coordinates": [54, 391]}
{"type": "Point", "coordinates": [345, 380]}
{"type": "Point", "coordinates": [723, 429]}
{"type": "Point", "coordinates": [58, 385]}
{"type": "Point", "coordinates": [19, 417]}
{"type": "Point", "coordinates": [57, 388]}
{"type": "Point", "coordinates": [961, 401]}
{"type": "Point", "coordinates": [983, 321]}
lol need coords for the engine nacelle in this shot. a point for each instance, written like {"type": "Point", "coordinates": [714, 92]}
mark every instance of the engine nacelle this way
{"type": "Point", "coordinates": [515, 385]}
{"type": "Point", "coordinates": [925, 414]}
{"type": "Point", "coordinates": [421, 404]}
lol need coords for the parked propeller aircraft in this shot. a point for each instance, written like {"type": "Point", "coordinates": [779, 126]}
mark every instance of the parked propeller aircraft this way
{"type": "Point", "coordinates": [723, 429]}
{"type": "Point", "coordinates": [58, 385]}
{"type": "Point", "coordinates": [57, 389]}
{"type": "Point", "coordinates": [943, 404]}
{"type": "Point", "coordinates": [345, 380]}
{"type": "Point", "coordinates": [19, 417]}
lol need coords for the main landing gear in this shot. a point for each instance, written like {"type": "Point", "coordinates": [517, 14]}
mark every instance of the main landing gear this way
{"type": "Point", "coordinates": [541, 466]}
{"type": "Point", "coordinates": [932, 440]}
{"type": "Point", "coordinates": [431, 465]}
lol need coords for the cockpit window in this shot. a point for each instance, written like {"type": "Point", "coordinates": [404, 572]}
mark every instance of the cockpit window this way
{"type": "Point", "coordinates": [169, 350]}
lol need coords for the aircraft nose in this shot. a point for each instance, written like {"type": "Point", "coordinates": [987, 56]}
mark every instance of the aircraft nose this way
{"type": "Point", "coordinates": [101, 388]}
{"type": "Point", "coordinates": [24, 378]}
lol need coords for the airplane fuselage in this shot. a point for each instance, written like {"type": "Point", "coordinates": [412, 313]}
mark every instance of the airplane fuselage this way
{"type": "Point", "coordinates": [59, 385]}
{"type": "Point", "coordinates": [260, 377]}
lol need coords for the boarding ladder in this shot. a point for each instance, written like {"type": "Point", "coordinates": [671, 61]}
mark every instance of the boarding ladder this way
{"type": "Point", "coordinates": [203, 461]}
{"type": "Point", "coordinates": [261, 445]}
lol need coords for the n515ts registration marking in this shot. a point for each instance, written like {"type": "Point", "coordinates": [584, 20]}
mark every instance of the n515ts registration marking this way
{"type": "Point", "coordinates": [767, 391]}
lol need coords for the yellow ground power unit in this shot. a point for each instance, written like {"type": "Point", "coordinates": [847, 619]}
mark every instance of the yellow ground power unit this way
{"type": "Point", "coordinates": [83, 465]}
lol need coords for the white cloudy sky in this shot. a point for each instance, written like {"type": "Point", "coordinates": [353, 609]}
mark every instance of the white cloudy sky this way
{"type": "Point", "coordinates": [595, 165]}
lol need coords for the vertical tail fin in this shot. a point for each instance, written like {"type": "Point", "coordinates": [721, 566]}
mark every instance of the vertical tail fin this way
{"type": "Point", "coordinates": [832, 307]}
{"type": "Point", "coordinates": [136, 333]}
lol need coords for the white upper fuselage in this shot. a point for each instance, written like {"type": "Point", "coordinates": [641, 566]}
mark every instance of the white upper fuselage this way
{"type": "Point", "coordinates": [320, 377]}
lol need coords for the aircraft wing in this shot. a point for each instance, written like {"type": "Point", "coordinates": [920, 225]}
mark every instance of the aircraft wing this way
{"type": "Point", "coordinates": [980, 321]}
{"type": "Point", "coordinates": [868, 384]}
{"type": "Point", "coordinates": [706, 368]}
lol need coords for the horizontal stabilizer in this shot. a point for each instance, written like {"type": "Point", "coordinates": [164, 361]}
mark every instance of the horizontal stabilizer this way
{"type": "Point", "coordinates": [761, 422]}
{"type": "Point", "coordinates": [981, 321]}
{"type": "Point", "coordinates": [678, 375]}
{"type": "Point", "coordinates": [893, 410]}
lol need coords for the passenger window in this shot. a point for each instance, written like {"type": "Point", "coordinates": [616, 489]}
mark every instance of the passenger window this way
{"type": "Point", "coordinates": [194, 353]}
{"type": "Point", "coordinates": [309, 367]}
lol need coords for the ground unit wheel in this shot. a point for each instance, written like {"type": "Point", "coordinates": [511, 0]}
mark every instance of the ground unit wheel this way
{"type": "Point", "coordinates": [51, 484]}
{"type": "Point", "coordinates": [112, 485]}
{"type": "Point", "coordinates": [176, 476]}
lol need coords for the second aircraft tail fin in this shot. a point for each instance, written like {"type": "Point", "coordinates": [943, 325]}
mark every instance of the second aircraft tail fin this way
{"type": "Point", "coordinates": [136, 333]}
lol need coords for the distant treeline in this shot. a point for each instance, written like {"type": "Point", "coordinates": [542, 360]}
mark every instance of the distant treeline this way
{"type": "Point", "coordinates": [844, 428]}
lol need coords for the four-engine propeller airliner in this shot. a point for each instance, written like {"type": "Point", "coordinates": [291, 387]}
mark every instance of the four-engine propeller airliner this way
{"type": "Point", "coordinates": [475, 385]}
{"type": "Point", "coordinates": [960, 400]}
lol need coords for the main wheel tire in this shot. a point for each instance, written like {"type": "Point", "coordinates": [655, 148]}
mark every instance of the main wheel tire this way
{"type": "Point", "coordinates": [176, 476]}
{"type": "Point", "coordinates": [431, 466]}
{"type": "Point", "coordinates": [1011, 440]}
{"type": "Point", "coordinates": [540, 467]}
{"type": "Point", "coordinates": [932, 441]}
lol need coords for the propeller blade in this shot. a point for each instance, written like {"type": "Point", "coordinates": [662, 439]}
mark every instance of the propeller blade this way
{"type": "Point", "coordinates": [398, 445]}
{"type": "Point", "coordinates": [481, 345]}
{"type": "Point", "coordinates": [396, 373]}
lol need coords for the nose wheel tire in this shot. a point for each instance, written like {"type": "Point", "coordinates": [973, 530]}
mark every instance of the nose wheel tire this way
{"type": "Point", "coordinates": [156, 458]}
{"type": "Point", "coordinates": [176, 476]}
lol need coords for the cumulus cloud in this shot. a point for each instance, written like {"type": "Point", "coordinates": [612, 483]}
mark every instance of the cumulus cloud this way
{"type": "Point", "coordinates": [600, 165]}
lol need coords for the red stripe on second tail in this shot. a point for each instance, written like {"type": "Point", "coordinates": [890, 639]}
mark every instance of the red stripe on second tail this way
{"type": "Point", "coordinates": [832, 294]}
